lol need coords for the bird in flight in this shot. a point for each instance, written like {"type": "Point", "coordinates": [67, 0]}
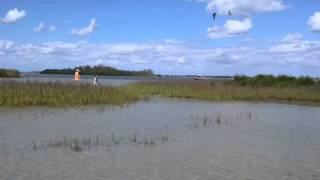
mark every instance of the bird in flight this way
{"type": "Point", "coordinates": [214, 15]}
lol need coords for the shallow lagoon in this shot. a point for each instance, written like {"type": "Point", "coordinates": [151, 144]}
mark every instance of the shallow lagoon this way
{"type": "Point", "coordinates": [162, 139]}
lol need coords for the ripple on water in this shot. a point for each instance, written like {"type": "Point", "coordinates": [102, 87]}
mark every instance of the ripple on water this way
{"type": "Point", "coordinates": [162, 139]}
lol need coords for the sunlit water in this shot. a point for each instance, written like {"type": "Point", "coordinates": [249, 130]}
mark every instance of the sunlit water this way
{"type": "Point", "coordinates": [190, 140]}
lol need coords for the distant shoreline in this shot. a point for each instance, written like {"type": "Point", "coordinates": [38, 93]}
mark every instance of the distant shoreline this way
{"type": "Point", "coordinates": [9, 73]}
{"type": "Point", "coordinates": [99, 70]}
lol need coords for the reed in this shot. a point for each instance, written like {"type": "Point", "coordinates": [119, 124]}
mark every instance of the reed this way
{"type": "Point", "coordinates": [226, 91]}
{"type": "Point", "coordinates": [219, 119]}
{"type": "Point", "coordinates": [32, 93]}
{"type": "Point", "coordinates": [86, 143]}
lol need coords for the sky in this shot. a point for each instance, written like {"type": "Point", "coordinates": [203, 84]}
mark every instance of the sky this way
{"type": "Point", "coordinates": [167, 36]}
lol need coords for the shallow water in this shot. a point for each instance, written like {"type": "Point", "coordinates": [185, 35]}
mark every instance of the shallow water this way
{"type": "Point", "coordinates": [102, 80]}
{"type": "Point", "coordinates": [190, 140]}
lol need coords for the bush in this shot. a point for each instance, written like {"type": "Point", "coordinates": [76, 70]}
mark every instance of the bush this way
{"type": "Point", "coordinates": [9, 73]}
{"type": "Point", "coordinates": [270, 80]}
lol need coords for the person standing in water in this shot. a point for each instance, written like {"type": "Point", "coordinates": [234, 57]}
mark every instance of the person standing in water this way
{"type": "Point", "coordinates": [95, 80]}
{"type": "Point", "coordinates": [77, 77]}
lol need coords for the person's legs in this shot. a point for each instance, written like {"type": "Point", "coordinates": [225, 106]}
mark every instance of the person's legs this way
{"type": "Point", "coordinates": [76, 82]}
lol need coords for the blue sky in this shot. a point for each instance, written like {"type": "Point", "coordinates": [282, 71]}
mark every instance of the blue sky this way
{"type": "Point", "coordinates": [168, 36]}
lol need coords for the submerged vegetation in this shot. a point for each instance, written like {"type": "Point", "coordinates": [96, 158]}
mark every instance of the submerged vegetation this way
{"type": "Point", "coordinates": [99, 70]}
{"type": "Point", "coordinates": [76, 143]}
{"type": "Point", "coordinates": [9, 73]}
{"type": "Point", "coordinates": [31, 93]}
{"type": "Point", "coordinates": [201, 121]}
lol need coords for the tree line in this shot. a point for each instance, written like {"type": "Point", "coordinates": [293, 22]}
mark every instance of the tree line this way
{"type": "Point", "coordinates": [9, 73]}
{"type": "Point", "coordinates": [99, 70]}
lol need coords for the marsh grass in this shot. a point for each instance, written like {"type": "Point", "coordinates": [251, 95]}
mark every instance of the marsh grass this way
{"type": "Point", "coordinates": [165, 138]}
{"type": "Point", "coordinates": [202, 121]}
{"type": "Point", "coordinates": [34, 145]}
{"type": "Point", "coordinates": [199, 121]}
{"type": "Point", "coordinates": [227, 90]}
{"type": "Point", "coordinates": [32, 93]}
{"type": "Point", "coordinates": [219, 119]}
{"type": "Point", "coordinates": [271, 80]}
{"type": "Point", "coordinates": [75, 143]}
{"type": "Point", "coordinates": [78, 144]}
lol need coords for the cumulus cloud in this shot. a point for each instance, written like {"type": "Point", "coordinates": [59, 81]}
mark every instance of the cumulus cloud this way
{"type": "Point", "coordinates": [230, 29]}
{"type": "Point", "coordinates": [314, 22]}
{"type": "Point", "coordinates": [238, 8]}
{"type": "Point", "coordinates": [86, 30]}
{"type": "Point", "coordinates": [294, 43]}
{"type": "Point", "coordinates": [13, 15]}
{"type": "Point", "coordinates": [52, 28]}
{"type": "Point", "coordinates": [243, 7]}
{"type": "Point", "coordinates": [293, 37]}
{"type": "Point", "coordinates": [5, 46]}
{"type": "Point", "coordinates": [287, 55]}
{"type": "Point", "coordinates": [248, 40]}
{"type": "Point", "coordinates": [41, 27]}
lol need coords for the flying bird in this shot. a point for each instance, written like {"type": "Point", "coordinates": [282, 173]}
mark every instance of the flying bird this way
{"type": "Point", "coordinates": [214, 15]}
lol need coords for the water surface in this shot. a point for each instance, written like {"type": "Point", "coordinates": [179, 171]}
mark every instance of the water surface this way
{"type": "Point", "coordinates": [102, 80]}
{"type": "Point", "coordinates": [191, 140]}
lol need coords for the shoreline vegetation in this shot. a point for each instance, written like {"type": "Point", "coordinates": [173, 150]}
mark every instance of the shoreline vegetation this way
{"type": "Point", "coordinates": [9, 73]}
{"type": "Point", "coordinates": [99, 70]}
{"type": "Point", "coordinates": [241, 88]}
{"type": "Point", "coordinates": [34, 93]}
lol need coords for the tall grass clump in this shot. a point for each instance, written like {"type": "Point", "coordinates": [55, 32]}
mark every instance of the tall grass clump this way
{"type": "Point", "coordinates": [33, 93]}
{"type": "Point", "coordinates": [270, 80]}
{"type": "Point", "coordinates": [229, 90]}
{"type": "Point", "coordinates": [9, 73]}
{"type": "Point", "coordinates": [260, 88]}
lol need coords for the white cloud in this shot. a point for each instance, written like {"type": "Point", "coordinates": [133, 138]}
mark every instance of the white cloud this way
{"type": "Point", "coordinates": [13, 15]}
{"type": "Point", "coordinates": [5, 47]}
{"type": "Point", "coordinates": [289, 57]}
{"type": "Point", "coordinates": [39, 28]}
{"type": "Point", "coordinates": [230, 29]}
{"type": "Point", "coordinates": [247, 40]}
{"type": "Point", "coordinates": [42, 28]}
{"type": "Point", "coordinates": [293, 37]}
{"type": "Point", "coordinates": [314, 22]}
{"type": "Point", "coordinates": [294, 43]}
{"type": "Point", "coordinates": [181, 60]}
{"type": "Point", "coordinates": [243, 7]}
{"type": "Point", "coordinates": [172, 41]}
{"type": "Point", "coordinates": [52, 28]}
{"type": "Point", "coordinates": [86, 30]}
